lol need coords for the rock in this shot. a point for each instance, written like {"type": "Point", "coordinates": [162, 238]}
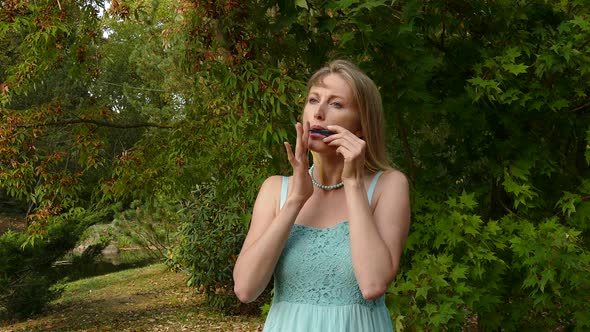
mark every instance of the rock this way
{"type": "Point", "coordinates": [110, 250]}
{"type": "Point", "coordinates": [79, 250]}
{"type": "Point", "coordinates": [92, 237]}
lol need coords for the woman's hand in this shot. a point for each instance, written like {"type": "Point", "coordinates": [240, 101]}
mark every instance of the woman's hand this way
{"type": "Point", "coordinates": [352, 148]}
{"type": "Point", "coordinates": [301, 188]}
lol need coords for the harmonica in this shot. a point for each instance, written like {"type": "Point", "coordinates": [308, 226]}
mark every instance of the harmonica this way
{"type": "Point", "coordinates": [324, 132]}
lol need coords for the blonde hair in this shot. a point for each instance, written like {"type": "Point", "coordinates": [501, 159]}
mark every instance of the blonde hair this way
{"type": "Point", "coordinates": [367, 100]}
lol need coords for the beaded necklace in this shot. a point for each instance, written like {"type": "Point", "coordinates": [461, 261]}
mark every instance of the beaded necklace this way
{"type": "Point", "coordinates": [319, 185]}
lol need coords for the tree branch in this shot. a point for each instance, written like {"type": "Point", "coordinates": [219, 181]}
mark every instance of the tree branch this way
{"type": "Point", "coordinates": [579, 108]}
{"type": "Point", "coordinates": [100, 123]}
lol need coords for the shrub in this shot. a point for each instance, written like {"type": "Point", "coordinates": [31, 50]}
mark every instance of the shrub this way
{"type": "Point", "coordinates": [508, 274]}
{"type": "Point", "coordinates": [209, 238]}
{"type": "Point", "coordinates": [26, 277]}
{"type": "Point", "coordinates": [27, 280]}
{"type": "Point", "coordinates": [149, 225]}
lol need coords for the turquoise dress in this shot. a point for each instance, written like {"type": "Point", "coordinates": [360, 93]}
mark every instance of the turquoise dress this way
{"type": "Point", "coordinates": [315, 287]}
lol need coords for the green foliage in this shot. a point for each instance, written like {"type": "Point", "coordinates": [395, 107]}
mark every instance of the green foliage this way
{"type": "Point", "coordinates": [211, 233]}
{"type": "Point", "coordinates": [265, 308]}
{"type": "Point", "coordinates": [27, 280]}
{"type": "Point", "coordinates": [509, 273]}
{"type": "Point", "coordinates": [189, 101]}
{"type": "Point", "coordinates": [14, 300]}
{"type": "Point", "coordinates": [149, 227]}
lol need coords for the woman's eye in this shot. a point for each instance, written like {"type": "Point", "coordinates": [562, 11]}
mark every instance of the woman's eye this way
{"type": "Point", "coordinates": [312, 100]}
{"type": "Point", "coordinates": [337, 105]}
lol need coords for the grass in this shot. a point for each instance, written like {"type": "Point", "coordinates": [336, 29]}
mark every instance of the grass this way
{"type": "Point", "coordinates": [144, 299]}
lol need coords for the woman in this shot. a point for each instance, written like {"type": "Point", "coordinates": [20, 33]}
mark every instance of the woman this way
{"type": "Point", "coordinates": [332, 234]}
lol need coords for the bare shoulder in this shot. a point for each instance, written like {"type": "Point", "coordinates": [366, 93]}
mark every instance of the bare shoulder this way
{"type": "Point", "coordinates": [269, 194]}
{"type": "Point", "coordinates": [394, 176]}
{"type": "Point", "coordinates": [393, 185]}
{"type": "Point", "coordinates": [265, 208]}
{"type": "Point", "coordinates": [271, 187]}
{"type": "Point", "coordinates": [393, 181]}
{"type": "Point", "coordinates": [272, 182]}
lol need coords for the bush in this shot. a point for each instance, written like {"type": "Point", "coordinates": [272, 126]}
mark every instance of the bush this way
{"type": "Point", "coordinates": [209, 238]}
{"type": "Point", "coordinates": [27, 280]}
{"type": "Point", "coordinates": [508, 274]}
{"type": "Point", "coordinates": [149, 225]}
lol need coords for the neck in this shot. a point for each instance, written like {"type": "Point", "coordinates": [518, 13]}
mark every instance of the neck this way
{"type": "Point", "coordinates": [328, 171]}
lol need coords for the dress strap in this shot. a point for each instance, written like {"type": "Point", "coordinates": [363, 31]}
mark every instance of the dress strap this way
{"type": "Point", "coordinates": [284, 190]}
{"type": "Point", "coordinates": [373, 185]}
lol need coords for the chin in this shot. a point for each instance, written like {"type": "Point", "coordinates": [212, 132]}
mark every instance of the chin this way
{"type": "Point", "coordinates": [320, 147]}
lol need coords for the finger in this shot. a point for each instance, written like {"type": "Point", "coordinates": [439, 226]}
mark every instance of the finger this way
{"type": "Point", "coordinates": [344, 152]}
{"type": "Point", "coordinates": [337, 138]}
{"type": "Point", "coordinates": [336, 128]}
{"type": "Point", "coordinates": [299, 141]}
{"type": "Point", "coordinates": [306, 130]}
{"type": "Point", "coordinates": [289, 152]}
{"type": "Point", "coordinates": [352, 143]}
{"type": "Point", "coordinates": [346, 149]}
{"type": "Point", "coordinates": [341, 132]}
{"type": "Point", "coordinates": [347, 154]}
{"type": "Point", "coordinates": [353, 140]}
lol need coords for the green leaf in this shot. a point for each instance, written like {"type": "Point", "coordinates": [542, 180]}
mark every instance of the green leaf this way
{"type": "Point", "coordinates": [461, 288]}
{"type": "Point", "coordinates": [568, 203]}
{"type": "Point", "coordinates": [559, 104]}
{"type": "Point", "coordinates": [469, 229]}
{"type": "Point", "coordinates": [430, 309]}
{"type": "Point", "coordinates": [372, 4]}
{"type": "Point", "coordinates": [510, 96]}
{"type": "Point", "coordinates": [512, 53]}
{"type": "Point", "coordinates": [346, 37]}
{"type": "Point", "coordinates": [399, 323]}
{"type": "Point", "coordinates": [458, 272]}
{"type": "Point", "coordinates": [468, 200]}
{"type": "Point", "coordinates": [581, 23]}
{"type": "Point", "coordinates": [301, 3]}
{"type": "Point", "coordinates": [341, 4]}
{"type": "Point", "coordinates": [546, 276]}
{"type": "Point", "coordinates": [423, 291]}
{"type": "Point", "coordinates": [515, 68]}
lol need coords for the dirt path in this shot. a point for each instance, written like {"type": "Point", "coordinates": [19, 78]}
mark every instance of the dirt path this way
{"type": "Point", "coordinates": [145, 299]}
{"type": "Point", "coordinates": [11, 222]}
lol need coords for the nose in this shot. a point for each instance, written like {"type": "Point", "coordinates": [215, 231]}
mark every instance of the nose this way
{"type": "Point", "coordinates": [319, 112]}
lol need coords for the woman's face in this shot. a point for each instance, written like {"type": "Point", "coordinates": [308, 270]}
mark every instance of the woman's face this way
{"type": "Point", "coordinates": [330, 103]}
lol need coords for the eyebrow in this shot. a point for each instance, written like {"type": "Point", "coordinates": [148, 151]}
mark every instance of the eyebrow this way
{"type": "Point", "coordinates": [329, 97]}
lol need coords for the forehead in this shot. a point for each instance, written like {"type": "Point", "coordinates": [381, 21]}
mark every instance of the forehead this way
{"type": "Point", "coordinates": [333, 84]}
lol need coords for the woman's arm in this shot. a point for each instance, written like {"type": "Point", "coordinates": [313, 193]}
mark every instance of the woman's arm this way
{"type": "Point", "coordinates": [377, 239]}
{"type": "Point", "coordinates": [265, 240]}
{"type": "Point", "coordinates": [269, 229]}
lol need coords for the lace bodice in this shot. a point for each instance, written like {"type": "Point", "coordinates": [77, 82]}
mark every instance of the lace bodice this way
{"type": "Point", "coordinates": [316, 268]}
{"type": "Point", "coordinates": [315, 286]}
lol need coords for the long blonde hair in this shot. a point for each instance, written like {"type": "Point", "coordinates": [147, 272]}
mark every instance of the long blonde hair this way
{"type": "Point", "coordinates": [367, 99]}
